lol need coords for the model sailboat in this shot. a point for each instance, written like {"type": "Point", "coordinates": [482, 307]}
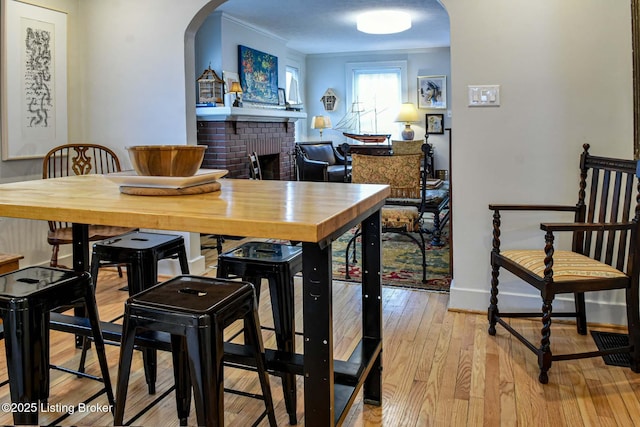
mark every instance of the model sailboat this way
{"type": "Point", "coordinates": [350, 125]}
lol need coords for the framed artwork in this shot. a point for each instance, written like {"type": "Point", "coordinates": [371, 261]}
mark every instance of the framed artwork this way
{"type": "Point", "coordinates": [33, 67]}
{"type": "Point", "coordinates": [258, 75]}
{"type": "Point", "coordinates": [435, 123]}
{"type": "Point", "coordinates": [432, 92]}
{"type": "Point", "coordinates": [281, 96]}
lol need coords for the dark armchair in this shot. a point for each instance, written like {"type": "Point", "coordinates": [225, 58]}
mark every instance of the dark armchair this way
{"type": "Point", "coordinates": [320, 161]}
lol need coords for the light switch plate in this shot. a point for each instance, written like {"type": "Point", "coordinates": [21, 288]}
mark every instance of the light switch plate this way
{"type": "Point", "coordinates": [484, 95]}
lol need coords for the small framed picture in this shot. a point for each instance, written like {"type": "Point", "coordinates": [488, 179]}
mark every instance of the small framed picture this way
{"type": "Point", "coordinates": [281, 96]}
{"type": "Point", "coordinates": [435, 123]}
{"type": "Point", "coordinates": [432, 92]}
{"type": "Point", "coordinates": [229, 77]}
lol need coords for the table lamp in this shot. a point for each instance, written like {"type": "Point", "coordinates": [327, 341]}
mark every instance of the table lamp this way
{"type": "Point", "coordinates": [408, 113]}
{"type": "Point", "coordinates": [320, 123]}
{"type": "Point", "coordinates": [236, 88]}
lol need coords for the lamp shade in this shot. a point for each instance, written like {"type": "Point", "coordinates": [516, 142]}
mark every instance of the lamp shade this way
{"type": "Point", "coordinates": [235, 88]}
{"type": "Point", "coordinates": [408, 113]}
{"type": "Point", "coordinates": [320, 122]}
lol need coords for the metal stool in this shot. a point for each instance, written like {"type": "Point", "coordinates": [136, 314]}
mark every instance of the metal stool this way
{"type": "Point", "coordinates": [195, 311]}
{"type": "Point", "coordinates": [140, 252]}
{"type": "Point", "coordinates": [26, 298]}
{"type": "Point", "coordinates": [278, 263]}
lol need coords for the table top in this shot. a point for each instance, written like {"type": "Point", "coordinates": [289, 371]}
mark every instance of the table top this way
{"type": "Point", "coordinates": [288, 210]}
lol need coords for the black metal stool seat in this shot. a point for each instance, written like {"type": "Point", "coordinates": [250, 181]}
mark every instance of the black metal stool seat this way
{"type": "Point", "coordinates": [26, 298]}
{"type": "Point", "coordinates": [278, 263]}
{"type": "Point", "coordinates": [140, 252]}
{"type": "Point", "coordinates": [195, 311]}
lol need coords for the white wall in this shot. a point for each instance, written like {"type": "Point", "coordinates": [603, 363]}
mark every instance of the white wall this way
{"type": "Point", "coordinates": [564, 68]}
{"type": "Point", "coordinates": [127, 84]}
{"type": "Point", "coordinates": [27, 237]}
{"type": "Point", "coordinates": [326, 71]}
{"type": "Point", "coordinates": [566, 78]}
{"type": "Point", "coordinates": [140, 86]}
{"type": "Point", "coordinates": [217, 42]}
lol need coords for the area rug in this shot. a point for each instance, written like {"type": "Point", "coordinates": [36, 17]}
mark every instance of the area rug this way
{"type": "Point", "coordinates": [401, 262]}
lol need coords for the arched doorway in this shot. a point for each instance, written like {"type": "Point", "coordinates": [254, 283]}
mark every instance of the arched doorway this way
{"type": "Point", "coordinates": [442, 141]}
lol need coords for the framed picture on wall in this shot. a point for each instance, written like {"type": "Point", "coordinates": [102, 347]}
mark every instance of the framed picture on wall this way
{"type": "Point", "coordinates": [281, 96]}
{"type": "Point", "coordinates": [33, 107]}
{"type": "Point", "coordinates": [258, 75]}
{"type": "Point", "coordinates": [229, 77]}
{"type": "Point", "coordinates": [435, 123]}
{"type": "Point", "coordinates": [432, 92]}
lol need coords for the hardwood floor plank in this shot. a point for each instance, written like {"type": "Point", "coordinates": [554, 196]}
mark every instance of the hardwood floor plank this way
{"type": "Point", "coordinates": [441, 368]}
{"type": "Point", "coordinates": [446, 392]}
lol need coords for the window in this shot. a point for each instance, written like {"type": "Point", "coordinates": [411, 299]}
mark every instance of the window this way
{"type": "Point", "coordinates": [292, 85]}
{"type": "Point", "coordinates": [376, 93]}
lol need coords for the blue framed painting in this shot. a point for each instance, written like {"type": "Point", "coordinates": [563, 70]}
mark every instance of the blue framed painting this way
{"type": "Point", "coordinates": [258, 75]}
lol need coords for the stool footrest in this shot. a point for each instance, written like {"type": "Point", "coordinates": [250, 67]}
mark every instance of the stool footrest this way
{"type": "Point", "coordinates": [75, 372]}
{"type": "Point", "coordinates": [112, 332]}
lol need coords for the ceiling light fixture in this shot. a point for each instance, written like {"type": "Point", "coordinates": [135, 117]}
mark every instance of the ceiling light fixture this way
{"type": "Point", "coordinates": [383, 22]}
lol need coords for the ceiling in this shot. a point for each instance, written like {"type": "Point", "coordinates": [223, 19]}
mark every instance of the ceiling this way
{"type": "Point", "coordinates": [329, 26]}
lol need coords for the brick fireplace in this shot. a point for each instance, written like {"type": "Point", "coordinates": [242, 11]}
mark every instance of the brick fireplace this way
{"type": "Point", "coordinates": [230, 142]}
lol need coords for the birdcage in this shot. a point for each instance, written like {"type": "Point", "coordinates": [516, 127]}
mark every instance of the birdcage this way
{"type": "Point", "coordinates": [210, 88]}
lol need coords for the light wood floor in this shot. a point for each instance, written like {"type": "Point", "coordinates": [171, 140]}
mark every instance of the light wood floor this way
{"type": "Point", "coordinates": [441, 368]}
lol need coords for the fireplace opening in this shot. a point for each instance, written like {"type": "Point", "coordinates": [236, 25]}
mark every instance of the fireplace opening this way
{"type": "Point", "coordinates": [269, 165]}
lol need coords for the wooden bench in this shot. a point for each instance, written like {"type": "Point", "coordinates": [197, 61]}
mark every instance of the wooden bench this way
{"type": "Point", "coordinates": [9, 262]}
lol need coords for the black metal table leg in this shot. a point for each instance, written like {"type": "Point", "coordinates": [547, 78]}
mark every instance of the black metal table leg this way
{"type": "Point", "coordinates": [317, 304]}
{"type": "Point", "coordinates": [372, 302]}
{"type": "Point", "coordinates": [80, 233]}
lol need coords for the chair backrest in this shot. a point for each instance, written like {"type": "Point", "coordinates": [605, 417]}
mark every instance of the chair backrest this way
{"type": "Point", "coordinates": [406, 147]}
{"type": "Point", "coordinates": [401, 173]}
{"type": "Point", "coordinates": [322, 151]}
{"type": "Point", "coordinates": [254, 166]}
{"type": "Point", "coordinates": [608, 192]}
{"type": "Point", "coordinates": [79, 159]}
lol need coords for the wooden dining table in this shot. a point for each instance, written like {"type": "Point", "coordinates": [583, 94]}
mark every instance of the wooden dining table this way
{"type": "Point", "coordinates": [312, 213]}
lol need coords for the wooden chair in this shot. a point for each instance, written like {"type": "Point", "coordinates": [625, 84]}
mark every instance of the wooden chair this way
{"type": "Point", "coordinates": [403, 210]}
{"type": "Point", "coordinates": [78, 159]}
{"type": "Point", "coordinates": [254, 166]}
{"type": "Point", "coordinates": [406, 147]}
{"type": "Point", "coordinates": [604, 255]}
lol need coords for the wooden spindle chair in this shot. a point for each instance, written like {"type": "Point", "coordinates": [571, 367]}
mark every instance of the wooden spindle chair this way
{"type": "Point", "coordinates": [604, 255]}
{"type": "Point", "coordinates": [79, 159]}
{"type": "Point", "coordinates": [254, 166]}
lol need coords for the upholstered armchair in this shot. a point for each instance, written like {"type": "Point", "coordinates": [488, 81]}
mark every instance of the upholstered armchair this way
{"type": "Point", "coordinates": [320, 161]}
{"type": "Point", "coordinates": [403, 210]}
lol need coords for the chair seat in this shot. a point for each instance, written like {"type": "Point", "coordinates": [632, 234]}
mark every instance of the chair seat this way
{"type": "Point", "coordinates": [567, 265]}
{"type": "Point", "coordinates": [64, 235]}
{"type": "Point", "coordinates": [400, 217]}
{"type": "Point", "coordinates": [335, 173]}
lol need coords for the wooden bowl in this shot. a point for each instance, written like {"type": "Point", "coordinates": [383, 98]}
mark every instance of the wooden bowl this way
{"type": "Point", "coordinates": [166, 160]}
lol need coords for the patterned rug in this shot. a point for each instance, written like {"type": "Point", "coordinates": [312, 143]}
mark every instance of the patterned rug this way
{"type": "Point", "coordinates": [401, 262]}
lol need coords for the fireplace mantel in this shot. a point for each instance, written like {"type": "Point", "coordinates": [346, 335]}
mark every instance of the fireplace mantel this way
{"type": "Point", "coordinates": [235, 114]}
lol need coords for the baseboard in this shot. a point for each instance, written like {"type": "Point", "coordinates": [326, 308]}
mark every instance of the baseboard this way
{"type": "Point", "coordinates": [601, 312]}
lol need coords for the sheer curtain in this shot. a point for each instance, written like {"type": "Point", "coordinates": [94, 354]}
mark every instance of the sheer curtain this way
{"type": "Point", "coordinates": [379, 94]}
